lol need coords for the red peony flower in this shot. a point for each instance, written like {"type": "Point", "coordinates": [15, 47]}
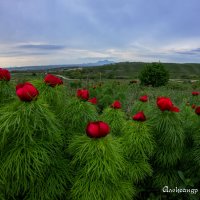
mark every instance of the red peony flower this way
{"type": "Point", "coordinates": [139, 116]}
{"type": "Point", "coordinates": [197, 110]}
{"type": "Point", "coordinates": [164, 103]}
{"type": "Point", "coordinates": [26, 92]}
{"type": "Point", "coordinates": [195, 93]}
{"type": "Point", "coordinates": [82, 94]}
{"type": "Point", "coordinates": [97, 129]}
{"type": "Point", "coordinates": [116, 105]}
{"type": "Point", "coordinates": [4, 74]}
{"type": "Point", "coordinates": [52, 80]}
{"type": "Point", "coordinates": [144, 98]}
{"type": "Point", "coordinates": [93, 100]}
{"type": "Point", "coordinates": [175, 109]}
{"type": "Point", "coordinates": [193, 106]}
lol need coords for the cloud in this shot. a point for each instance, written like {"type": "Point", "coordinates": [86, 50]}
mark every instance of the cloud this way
{"type": "Point", "coordinates": [75, 31]}
{"type": "Point", "coordinates": [193, 52]}
{"type": "Point", "coordinates": [30, 49]}
{"type": "Point", "coordinates": [41, 46]}
{"type": "Point", "coordinates": [196, 50]}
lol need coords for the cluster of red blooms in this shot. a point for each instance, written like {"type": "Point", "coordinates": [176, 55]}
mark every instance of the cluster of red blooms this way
{"type": "Point", "coordinates": [83, 94]}
{"type": "Point", "coordinates": [137, 117]}
{"type": "Point", "coordinates": [27, 92]}
{"type": "Point", "coordinates": [52, 80]}
{"type": "Point", "coordinates": [165, 103]}
{"type": "Point", "coordinates": [193, 106]}
{"type": "Point", "coordinates": [195, 93]}
{"type": "Point", "coordinates": [4, 74]}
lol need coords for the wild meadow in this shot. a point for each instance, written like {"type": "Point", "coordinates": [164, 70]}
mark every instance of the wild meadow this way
{"type": "Point", "coordinates": [98, 140]}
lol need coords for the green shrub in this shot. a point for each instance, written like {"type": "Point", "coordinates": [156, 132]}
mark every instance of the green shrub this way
{"type": "Point", "coordinates": [154, 74]}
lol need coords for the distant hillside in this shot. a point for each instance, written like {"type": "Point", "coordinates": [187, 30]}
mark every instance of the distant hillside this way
{"type": "Point", "coordinates": [132, 69]}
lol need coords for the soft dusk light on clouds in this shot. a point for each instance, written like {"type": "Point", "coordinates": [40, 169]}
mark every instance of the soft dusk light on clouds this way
{"type": "Point", "coordinates": [45, 32]}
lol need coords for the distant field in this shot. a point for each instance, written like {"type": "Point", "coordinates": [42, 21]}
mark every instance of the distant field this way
{"type": "Point", "coordinates": [123, 70]}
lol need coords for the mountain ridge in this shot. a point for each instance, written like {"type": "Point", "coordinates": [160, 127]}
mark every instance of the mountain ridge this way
{"type": "Point", "coordinates": [47, 67]}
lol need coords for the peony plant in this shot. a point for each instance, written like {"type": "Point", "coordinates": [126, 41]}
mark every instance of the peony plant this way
{"type": "Point", "coordinates": [114, 116]}
{"type": "Point", "coordinates": [30, 149]}
{"type": "Point", "coordinates": [98, 165]}
{"type": "Point", "coordinates": [169, 137]}
{"type": "Point", "coordinates": [138, 146]}
{"type": "Point", "coordinates": [53, 92]}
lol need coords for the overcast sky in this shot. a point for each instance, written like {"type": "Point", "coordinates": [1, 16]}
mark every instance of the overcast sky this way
{"type": "Point", "coordinates": [41, 32]}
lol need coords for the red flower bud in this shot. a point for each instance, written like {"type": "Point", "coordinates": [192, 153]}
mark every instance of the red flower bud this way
{"type": "Point", "coordinates": [82, 94]}
{"type": "Point", "coordinates": [52, 80]}
{"type": "Point", "coordinates": [26, 92]}
{"type": "Point", "coordinates": [197, 110]}
{"type": "Point", "coordinates": [93, 100]}
{"type": "Point", "coordinates": [144, 98]}
{"type": "Point", "coordinates": [193, 106]}
{"type": "Point", "coordinates": [97, 129]}
{"type": "Point", "coordinates": [195, 93]}
{"type": "Point", "coordinates": [116, 105]}
{"type": "Point", "coordinates": [133, 81]}
{"type": "Point", "coordinates": [4, 74]}
{"type": "Point", "coordinates": [139, 116]}
{"type": "Point", "coordinates": [188, 103]}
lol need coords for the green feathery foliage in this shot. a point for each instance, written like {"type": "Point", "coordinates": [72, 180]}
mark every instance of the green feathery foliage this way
{"type": "Point", "coordinates": [169, 137]}
{"type": "Point", "coordinates": [138, 146]}
{"type": "Point", "coordinates": [30, 140]}
{"type": "Point", "coordinates": [188, 119]}
{"type": "Point", "coordinates": [196, 138]}
{"type": "Point", "coordinates": [56, 181]}
{"type": "Point", "coordinates": [104, 101]}
{"type": "Point", "coordinates": [2, 195]}
{"type": "Point", "coordinates": [189, 122]}
{"type": "Point", "coordinates": [116, 119]}
{"type": "Point", "coordinates": [7, 92]}
{"type": "Point", "coordinates": [77, 114]}
{"type": "Point", "coordinates": [56, 96]}
{"type": "Point", "coordinates": [166, 176]}
{"type": "Point", "coordinates": [144, 106]}
{"type": "Point", "coordinates": [98, 169]}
